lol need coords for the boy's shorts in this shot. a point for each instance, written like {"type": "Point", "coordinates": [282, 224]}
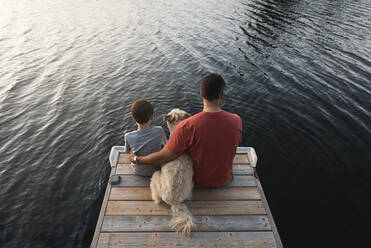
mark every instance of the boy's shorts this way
{"type": "Point", "coordinates": [145, 170]}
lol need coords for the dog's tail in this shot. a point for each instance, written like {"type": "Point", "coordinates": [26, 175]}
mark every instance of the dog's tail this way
{"type": "Point", "coordinates": [182, 220]}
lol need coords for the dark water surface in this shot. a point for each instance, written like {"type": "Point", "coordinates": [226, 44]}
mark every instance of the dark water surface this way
{"type": "Point", "coordinates": [297, 72]}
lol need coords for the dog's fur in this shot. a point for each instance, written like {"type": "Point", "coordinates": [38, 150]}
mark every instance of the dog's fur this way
{"type": "Point", "coordinates": [173, 183]}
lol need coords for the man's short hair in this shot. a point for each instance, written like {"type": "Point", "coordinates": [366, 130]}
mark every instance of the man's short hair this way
{"type": "Point", "coordinates": [212, 86]}
{"type": "Point", "coordinates": [142, 110]}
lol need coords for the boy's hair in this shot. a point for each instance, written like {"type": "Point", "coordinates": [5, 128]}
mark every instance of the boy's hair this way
{"type": "Point", "coordinates": [212, 86]}
{"type": "Point", "coordinates": [142, 110]}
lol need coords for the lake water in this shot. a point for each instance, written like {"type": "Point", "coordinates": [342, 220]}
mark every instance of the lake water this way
{"type": "Point", "coordinates": [298, 73]}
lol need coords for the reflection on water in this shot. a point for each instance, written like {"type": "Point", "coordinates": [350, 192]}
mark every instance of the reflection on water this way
{"type": "Point", "coordinates": [297, 73]}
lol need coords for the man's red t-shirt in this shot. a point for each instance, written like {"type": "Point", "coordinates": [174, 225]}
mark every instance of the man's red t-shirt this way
{"type": "Point", "coordinates": [211, 138]}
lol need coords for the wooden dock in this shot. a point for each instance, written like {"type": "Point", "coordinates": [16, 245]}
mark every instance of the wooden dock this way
{"type": "Point", "coordinates": [233, 216]}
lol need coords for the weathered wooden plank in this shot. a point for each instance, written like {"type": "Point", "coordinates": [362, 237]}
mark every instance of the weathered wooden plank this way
{"type": "Point", "coordinates": [102, 211]}
{"type": "Point", "coordinates": [131, 193]}
{"type": "Point", "coordinates": [204, 223]}
{"type": "Point", "coordinates": [242, 169]}
{"type": "Point", "coordinates": [124, 169]}
{"type": "Point", "coordinates": [242, 181]}
{"type": "Point", "coordinates": [123, 159]}
{"type": "Point", "coordinates": [133, 181]}
{"type": "Point", "coordinates": [238, 169]}
{"type": "Point", "coordinates": [198, 239]}
{"type": "Point", "coordinates": [243, 149]}
{"type": "Point", "coordinates": [139, 181]}
{"type": "Point", "coordinates": [196, 207]}
{"type": "Point", "coordinates": [238, 159]}
{"type": "Point", "coordinates": [232, 193]}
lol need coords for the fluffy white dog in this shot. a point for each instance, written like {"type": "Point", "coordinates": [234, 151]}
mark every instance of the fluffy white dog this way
{"type": "Point", "coordinates": [173, 183]}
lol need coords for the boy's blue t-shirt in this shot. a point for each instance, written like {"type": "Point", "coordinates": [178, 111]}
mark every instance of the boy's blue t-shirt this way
{"type": "Point", "coordinates": [144, 142]}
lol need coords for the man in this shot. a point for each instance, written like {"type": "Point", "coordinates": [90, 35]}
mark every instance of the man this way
{"type": "Point", "coordinates": [211, 137]}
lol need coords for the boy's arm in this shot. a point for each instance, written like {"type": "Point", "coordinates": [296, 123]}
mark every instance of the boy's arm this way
{"type": "Point", "coordinates": [127, 146]}
{"type": "Point", "coordinates": [161, 157]}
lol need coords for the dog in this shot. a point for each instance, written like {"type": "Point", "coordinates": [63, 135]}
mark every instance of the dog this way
{"type": "Point", "coordinates": [174, 182]}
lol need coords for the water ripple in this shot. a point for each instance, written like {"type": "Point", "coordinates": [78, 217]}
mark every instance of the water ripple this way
{"type": "Point", "coordinates": [297, 73]}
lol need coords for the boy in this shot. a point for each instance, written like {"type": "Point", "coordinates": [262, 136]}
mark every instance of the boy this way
{"type": "Point", "coordinates": [145, 139]}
